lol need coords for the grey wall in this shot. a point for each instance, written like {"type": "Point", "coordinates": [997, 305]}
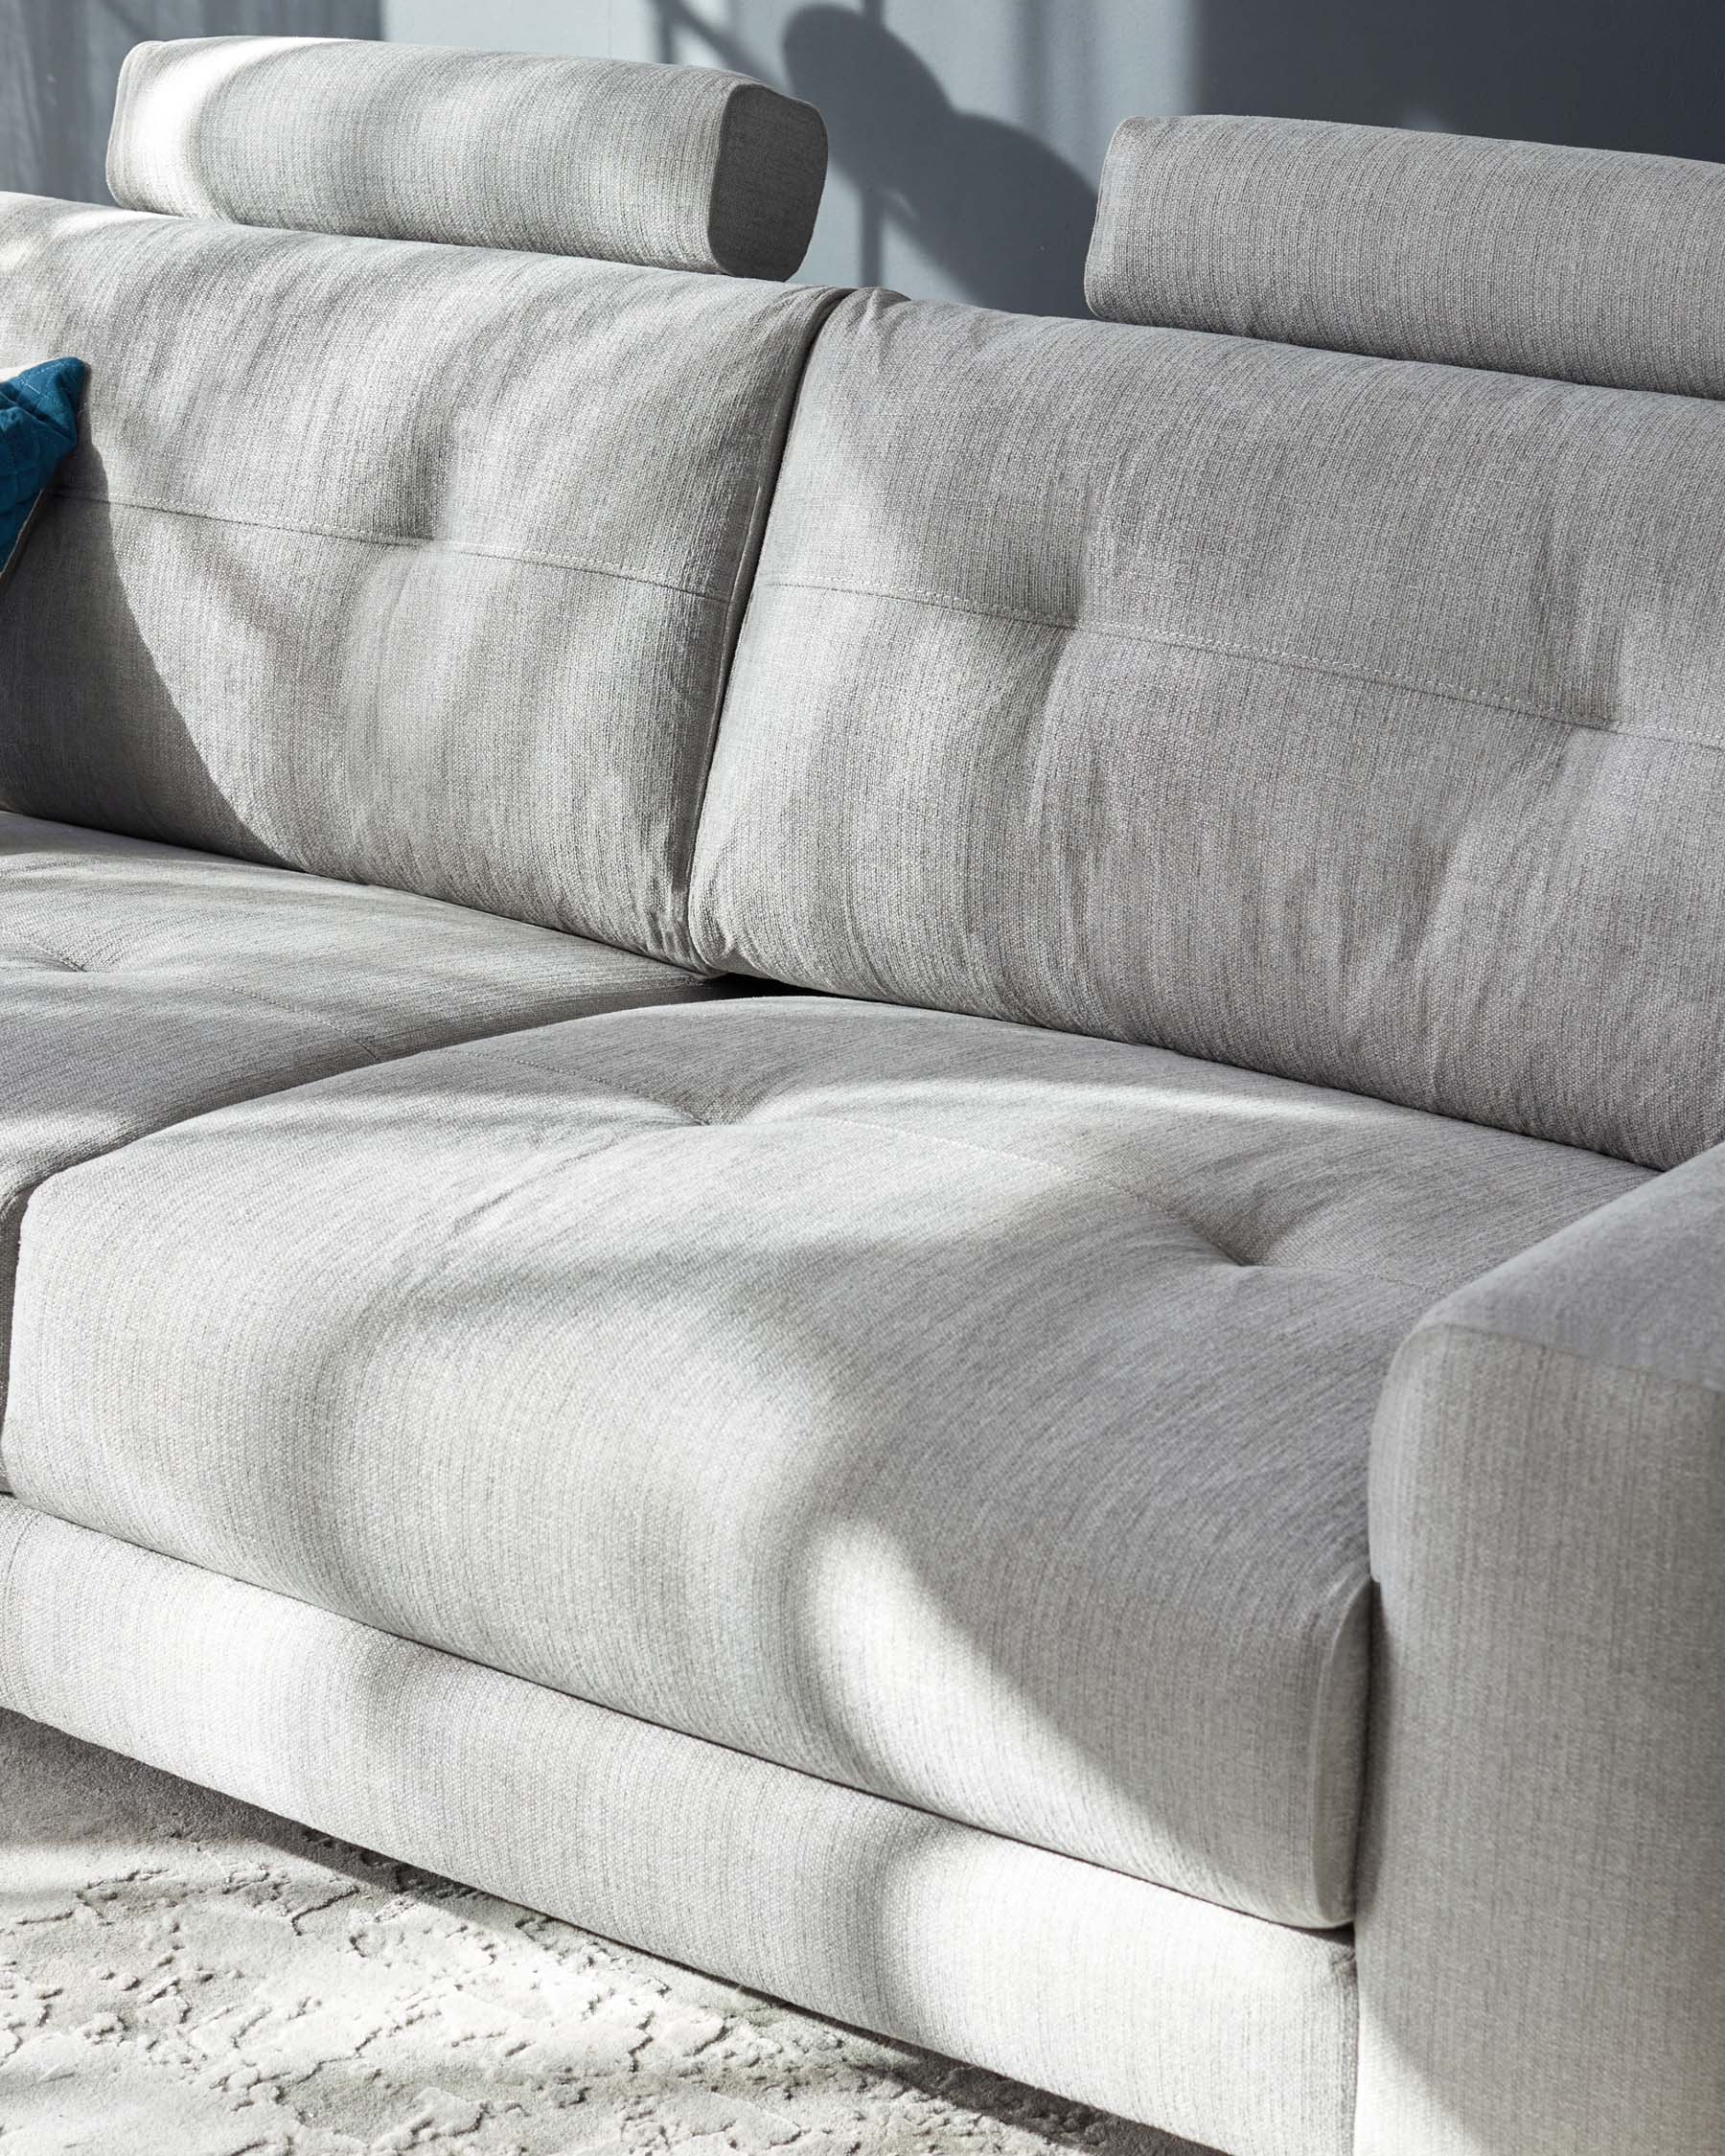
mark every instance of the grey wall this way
{"type": "Point", "coordinates": [59, 60]}
{"type": "Point", "coordinates": [968, 134]}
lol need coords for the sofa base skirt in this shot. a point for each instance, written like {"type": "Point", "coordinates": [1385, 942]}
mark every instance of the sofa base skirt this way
{"type": "Point", "coordinates": [1225, 2028]}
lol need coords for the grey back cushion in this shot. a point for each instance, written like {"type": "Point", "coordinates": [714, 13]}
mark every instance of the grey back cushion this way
{"type": "Point", "coordinates": [1354, 721]}
{"type": "Point", "coordinates": [686, 168]}
{"type": "Point", "coordinates": [413, 566]}
{"type": "Point", "coordinates": [1587, 264]}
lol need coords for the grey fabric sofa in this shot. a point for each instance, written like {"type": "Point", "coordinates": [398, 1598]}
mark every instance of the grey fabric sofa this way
{"type": "Point", "coordinates": [1131, 1485]}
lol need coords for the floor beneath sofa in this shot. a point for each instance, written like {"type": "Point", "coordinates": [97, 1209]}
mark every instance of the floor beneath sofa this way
{"type": "Point", "coordinates": [184, 1976]}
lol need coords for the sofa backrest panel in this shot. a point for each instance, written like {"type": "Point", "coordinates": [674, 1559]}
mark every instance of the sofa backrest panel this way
{"type": "Point", "coordinates": [685, 168]}
{"type": "Point", "coordinates": [410, 564]}
{"type": "Point", "coordinates": [1344, 717]}
{"type": "Point", "coordinates": [1595, 265]}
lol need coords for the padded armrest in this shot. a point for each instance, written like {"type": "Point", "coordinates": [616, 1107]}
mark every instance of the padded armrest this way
{"type": "Point", "coordinates": [1542, 1906]}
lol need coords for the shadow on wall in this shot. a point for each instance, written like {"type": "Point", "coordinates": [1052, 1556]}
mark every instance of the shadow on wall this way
{"type": "Point", "coordinates": [999, 212]}
{"type": "Point", "coordinates": [1545, 71]}
{"type": "Point", "coordinates": [57, 90]}
{"type": "Point", "coordinates": [1005, 218]}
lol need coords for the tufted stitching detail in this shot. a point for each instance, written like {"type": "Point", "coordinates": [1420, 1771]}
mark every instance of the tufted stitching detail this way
{"type": "Point", "coordinates": [1136, 1197]}
{"type": "Point", "coordinates": [358, 1042]}
{"type": "Point", "coordinates": [1123, 1191]}
{"type": "Point", "coordinates": [372, 1050]}
{"type": "Point", "coordinates": [424, 540]}
{"type": "Point", "coordinates": [566, 1076]}
{"type": "Point", "coordinates": [1083, 1175]}
{"type": "Point", "coordinates": [1301, 662]}
{"type": "Point", "coordinates": [54, 958]}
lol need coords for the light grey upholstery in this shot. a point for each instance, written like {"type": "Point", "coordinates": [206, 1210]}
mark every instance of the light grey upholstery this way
{"type": "Point", "coordinates": [1584, 264]}
{"type": "Point", "coordinates": [685, 168]}
{"type": "Point", "coordinates": [1237, 2032]}
{"type": "Point", "coordinates": [140, 984]}
{"type": "Point", "coordinates": [1352, 719]}
{"type": "Point", "coordinates": [877, 1500]}
{"type": "Point", "coordinates": [1542, 1933]}
{"type": "Point", "coordinates": [416, 566]}
{"type": "Point", "coordinates": [968, 1414]}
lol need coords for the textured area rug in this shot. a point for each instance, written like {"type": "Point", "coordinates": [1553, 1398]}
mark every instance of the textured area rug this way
{"type": "Point", "coordinates": [184, 1976]}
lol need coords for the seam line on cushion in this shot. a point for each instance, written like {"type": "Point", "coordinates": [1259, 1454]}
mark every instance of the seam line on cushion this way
{"type": "Point", "coordinates": [1102, 1182]}
{"type": "Point", "coordinates": [1430, 1328]}
{"type": "Point", "coordinates": [42, 950]}
{"type": "Point", "coordinates": [690, 1121]}
{"type": "Point", "coordinates": [1081, 1176]}
{"type": "Point", "coordinates": [1295, 661]}
{"type": "Point", "coordinates": [501, 1031]}
{"type": "Point", "coordinates": [358, 1042]}
{"type": "Point", "coordinates": [18, 1696]}
{"type": "Point", "coordinates": [565, 1075]}
{"type": "Point", "coordinates": [1007, 1153]}
{"type": "Point", "coordinates": [428, 540]}
{"type": "Point", "coordinates": [1335, 1939]}
{"type": "Point", "coordinates": [257, 1000]}
{"type": "Point", "coordinates": [1320, 1773]}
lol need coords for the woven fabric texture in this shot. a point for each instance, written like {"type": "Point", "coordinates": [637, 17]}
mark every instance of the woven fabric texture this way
{"type": "Point", "coordinates": [1104, 1989]}
{"type": "Point", "coordinates": [140, 984]}
{"type": "Point", "coordinates": [1355, 720]}
{"type": "Point", "coordinates": [407, 564]}
{"type": "Point", "coordinates": [682, 167]}
{"type": "Point", "coordinates": [252, 1967]}
{"type": "Point", "coordinates": [1541, 1897]}
{"type": "Point", "coordinates": [1594, 265]}
{"type": "Point", "coordinates": [964, 1413]}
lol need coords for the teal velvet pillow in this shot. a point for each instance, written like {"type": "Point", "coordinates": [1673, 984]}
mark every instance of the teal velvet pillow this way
{"type": "Point", "coordinates": [38, 430]}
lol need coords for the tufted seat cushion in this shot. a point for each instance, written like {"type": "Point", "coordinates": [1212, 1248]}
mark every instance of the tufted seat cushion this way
{"type": "Point", "coordinates": [967, 1413]}
{"type": "Point", "coordinates": [140, 984]}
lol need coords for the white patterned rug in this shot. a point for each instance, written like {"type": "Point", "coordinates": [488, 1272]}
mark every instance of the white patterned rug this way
{"type": "Point", "coordinates": [183, 1976]}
